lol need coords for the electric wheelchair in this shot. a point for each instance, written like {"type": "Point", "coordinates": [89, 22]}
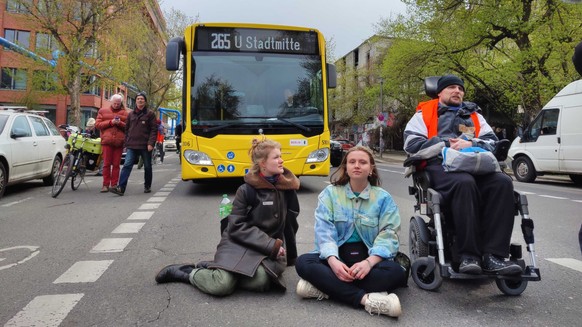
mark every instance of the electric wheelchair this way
{"type": "Point", "coordinates": [432, 240]}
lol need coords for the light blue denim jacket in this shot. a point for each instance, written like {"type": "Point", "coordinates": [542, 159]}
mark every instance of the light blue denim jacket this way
{"type": "Point", "coordinates": [373, 214]}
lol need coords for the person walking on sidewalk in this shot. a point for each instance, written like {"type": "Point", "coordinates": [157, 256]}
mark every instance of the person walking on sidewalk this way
{"type": "Point", "coordinates": [141, 131]}
{"type": "Point", "coordinates": [356, 259]}
{"type": "Point", "coordinates": [111, 123]}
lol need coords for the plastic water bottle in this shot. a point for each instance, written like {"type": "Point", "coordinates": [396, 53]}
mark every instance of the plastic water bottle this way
{"type": "Point", "coordinates": [225, 207]}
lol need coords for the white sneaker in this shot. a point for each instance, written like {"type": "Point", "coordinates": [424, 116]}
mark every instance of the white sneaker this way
{"type": "Point", "coordinates": [307, 291]}
{"type": "Point", "coordinates": [383, 303]}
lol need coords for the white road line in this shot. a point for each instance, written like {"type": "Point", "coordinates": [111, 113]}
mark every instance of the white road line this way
{"type": "Point", "coordinates": [161, 193]}
{"type": "Point", "coordinates": [579, 201]}
{"type": "Point", "coordinates": [392, 171]}
{"type": "Point", "coordinates": [149, 206]}
{"type": "Point", "coordinates": [128, 228]}
{"type": "Point", "coordinates": [167, 189]}
{"type": "Point", "coordinates": [567, 262]}
{"type": "Point", "coordinates": [84, 272]}
{"type": "Point", "coordinates": [157, 199]}
{"type": "Point", "coordinates": [524, 192]}
{"type": "Point", "coordinates": [553, 197]}
{"type": "Point", "coordinates": [9, 204]}
{"type": "Point", "coordinates": [2, 259]}
{"type": "Point", "coordinates": [111, 245]}
{"type": "Point", "coordinates": [45, 310]}
{"type": "Point", "coordinates": [141, 215]}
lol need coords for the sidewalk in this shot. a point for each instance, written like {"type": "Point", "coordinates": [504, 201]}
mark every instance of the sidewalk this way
{"type": "Point", "coordinates": [391, 156]}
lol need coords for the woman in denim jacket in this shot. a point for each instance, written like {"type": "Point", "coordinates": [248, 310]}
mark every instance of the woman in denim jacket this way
{"type": "Point", "coordinates": [356, 241]}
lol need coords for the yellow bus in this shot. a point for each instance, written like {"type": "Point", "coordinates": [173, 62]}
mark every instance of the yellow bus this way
{"type": "Point", "coordinates": [243, 81]}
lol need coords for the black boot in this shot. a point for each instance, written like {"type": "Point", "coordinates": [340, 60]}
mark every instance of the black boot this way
{"type": "Point", "coordinates": [495, 265]}
{"type": "Point", "coordinates": [174, 273]}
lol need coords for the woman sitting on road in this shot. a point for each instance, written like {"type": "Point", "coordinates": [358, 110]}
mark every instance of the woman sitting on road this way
{"type": "Point", "coordinates": [257, 244]}
{"type": "Point", "coordinates": [356, 222]}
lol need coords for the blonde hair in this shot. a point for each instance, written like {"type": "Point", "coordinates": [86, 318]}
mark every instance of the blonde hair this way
{"type": "Point", "coordinates": [260, 150]}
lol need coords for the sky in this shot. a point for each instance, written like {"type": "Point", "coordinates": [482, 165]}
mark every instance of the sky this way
{"type": "Point", "coordinates": [349, 22]}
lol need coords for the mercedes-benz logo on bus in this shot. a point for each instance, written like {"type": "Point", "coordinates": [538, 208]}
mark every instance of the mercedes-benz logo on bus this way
{"type": "Point", "coordinates": [260, 131]}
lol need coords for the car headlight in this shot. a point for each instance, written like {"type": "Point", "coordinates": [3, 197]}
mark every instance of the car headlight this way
{"type": "Point", "coordinates": [318, 155]}
{"type": "Point", "coordinates": [197, 158]}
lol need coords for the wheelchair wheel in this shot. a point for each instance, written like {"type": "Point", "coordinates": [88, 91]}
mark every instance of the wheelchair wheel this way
{"type": "Point", "coordinates": [418, 248]}
{"type": "Point", "coordinates": [431, 281]}
{"type": "Point", "coordinates": [511, 287]}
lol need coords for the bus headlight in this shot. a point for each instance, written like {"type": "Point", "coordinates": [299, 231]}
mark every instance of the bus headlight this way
{"type": "Point", "coordinates": [197, 158]}
{"type": "Point", "coordinates": [318, 155]}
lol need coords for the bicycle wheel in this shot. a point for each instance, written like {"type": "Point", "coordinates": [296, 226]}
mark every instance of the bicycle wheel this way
{"type": "Point", "coordinates": [63, 175]}
{"type": "Point", "coordinates": [79, 174]}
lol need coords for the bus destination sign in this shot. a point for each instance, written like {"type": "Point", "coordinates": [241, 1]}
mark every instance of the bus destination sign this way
{"type": "Point", "coordinates": [255, 40]}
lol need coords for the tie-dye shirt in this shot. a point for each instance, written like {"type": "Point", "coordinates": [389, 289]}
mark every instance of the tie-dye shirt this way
{"type": "Point", "coordinates": [372, 214]}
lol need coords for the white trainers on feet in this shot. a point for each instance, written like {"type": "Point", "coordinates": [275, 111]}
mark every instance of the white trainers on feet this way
{"type": "Point", "coordinates": [383, 303]}
{"type": "Point", "coordinates": [306, 290]}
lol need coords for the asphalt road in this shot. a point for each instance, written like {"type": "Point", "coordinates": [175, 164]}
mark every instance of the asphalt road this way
{"type": "Point", "coordinates": [89, 259]}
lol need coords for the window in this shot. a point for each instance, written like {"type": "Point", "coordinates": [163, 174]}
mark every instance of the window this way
{"type": "Point", "coordinates": [13, 79]}
{"type": "Point", "coordinates": [90, 85]}
{"type": "Point", "coordinates": [22, 38]}
{"type": "Point", "coordinates": [39, 127]}
{"type": "Point", "coordinates": [21, 126]}
{"type": "Point", "coordinates": [45, 42]}
{"type": "Point", "coordinates": [545, 124]}
{"type": "Point", "coordinates": [44, 81]}
{"type": "Point", "coordinates": [17, 6]}
{"type": "Point", "coordinates": [92, 52]}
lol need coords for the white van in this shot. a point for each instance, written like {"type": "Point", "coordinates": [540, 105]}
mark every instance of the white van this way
{"type": "Point", "coordinates": [552, 143]}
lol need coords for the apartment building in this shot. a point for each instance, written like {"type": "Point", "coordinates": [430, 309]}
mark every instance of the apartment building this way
{"type": "Point", "coordinates": [17, 70]}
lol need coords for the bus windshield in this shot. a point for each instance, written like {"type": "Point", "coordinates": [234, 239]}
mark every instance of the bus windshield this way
{"type": "Point", "coordinates": [246, 93]}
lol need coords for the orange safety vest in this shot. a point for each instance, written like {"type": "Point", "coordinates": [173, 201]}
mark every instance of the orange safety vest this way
{"type": "Point", "coordinates": [430, 117]}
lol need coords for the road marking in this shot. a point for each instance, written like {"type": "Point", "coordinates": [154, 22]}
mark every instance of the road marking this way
{"type": "Point", "coordinates": [524, 192]}
{"type": "Point", "coordinates": [2, 259]}
{"type": "Point", "coordinates": [392, 171]}
{"type": "Point", "coordinates": [128, 228]}
{"type": "Point", "coordinates": [149, 206]}
{"type": "Point", "coordinates": [160, 193]}
{"type": "Point", "coordinates": [553, 197]}
{"type": "Point", "coordinates": [168, 189]}
{"type": "Point", "coordinates": [33, 252]}
{"type": "Point", "coordinates": [579, 201]}
{"type": "Point", "coordinates": [46, 310]}
{"type": "Point", "coordinates": [141, 215]}
{"type": "Point", "coordinates": [84, 272]}
{"type": "Point", "coordinates": [111, 245]}
{"type": "Point", "coordinates": [156, 198]}
{"type": "Point", "coordinates": [568, 262]}
{"type": "Point", "coordinates": [15, 202]}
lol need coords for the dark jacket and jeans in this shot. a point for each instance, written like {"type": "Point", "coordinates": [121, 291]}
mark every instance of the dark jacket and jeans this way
{"type": "Point", "coordinates": [140, 131]}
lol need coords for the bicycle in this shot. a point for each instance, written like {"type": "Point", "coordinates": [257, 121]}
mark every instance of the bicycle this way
{"type": "Point", "coordinates": [74, 164]}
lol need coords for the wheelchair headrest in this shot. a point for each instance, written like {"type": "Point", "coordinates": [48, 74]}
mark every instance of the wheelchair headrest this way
{"type": "Point", "coordinates": [431, 85]}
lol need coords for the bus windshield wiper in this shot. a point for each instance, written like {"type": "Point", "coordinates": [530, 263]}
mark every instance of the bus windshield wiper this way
{"type": "Point", "coordinates": [302, 127]}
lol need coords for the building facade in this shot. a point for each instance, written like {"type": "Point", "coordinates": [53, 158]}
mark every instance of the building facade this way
{"type": "Point", "coordinates": [18, 69]}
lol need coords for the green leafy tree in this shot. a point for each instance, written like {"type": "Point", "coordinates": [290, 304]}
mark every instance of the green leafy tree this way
{"type": "Point", "coordinates": [79, 28]}
{"type": "Point", "coordinates": [510, 52]}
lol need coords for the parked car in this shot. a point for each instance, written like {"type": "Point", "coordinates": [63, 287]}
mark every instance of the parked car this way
{"type": "Point", "coordinates": [31, 147]}
{"type": "Point", "coordinates": [336, 153]}
{"type": "Point", "coordinates": [346, 144]}
{"type": "Point", "coordinates": [170, 143]}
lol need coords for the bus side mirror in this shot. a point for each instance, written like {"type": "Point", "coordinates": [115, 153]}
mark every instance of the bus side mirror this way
{"type": "Point", "coordinates": [331, 76]}
{"type": "Point", "coordinates": [173, 51]}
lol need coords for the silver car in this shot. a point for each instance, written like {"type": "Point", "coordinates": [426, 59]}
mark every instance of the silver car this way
{"type": "Point", "coordinates": [31, 147]}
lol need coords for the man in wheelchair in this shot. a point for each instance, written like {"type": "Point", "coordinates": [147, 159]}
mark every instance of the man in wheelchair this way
{"type": "Point", "coordinates": [481, 206]}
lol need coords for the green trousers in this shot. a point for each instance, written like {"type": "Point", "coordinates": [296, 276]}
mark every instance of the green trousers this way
{"type": "Point", "coordinates": [221, 282]}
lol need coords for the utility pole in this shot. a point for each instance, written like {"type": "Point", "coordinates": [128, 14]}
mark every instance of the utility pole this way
{"type": "Point", "coordinates": [381, 113]}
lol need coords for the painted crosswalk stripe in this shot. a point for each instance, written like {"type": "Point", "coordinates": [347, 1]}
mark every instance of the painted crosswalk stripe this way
{"type": "Point", "coordinates": [84, 272]}
{"type": "Point", "coordinates": [45, 310]}
{"type": "Point", "coordinates": [168, 189]}
{"type": "Point", "coordinates": [128, 228]}
{"type": "Point", "coordinates": [568, 262]}
{"type": "Point", "coordinates": [162, 193]}
{"type": "Point", "coordinates": [149, 206]}
{"type": "Point", "coordinates": [156, 199]}
{"type": "Point", "coordinates": [111, 245]}
{"type": "Point", "coordinates": [139, 215]}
